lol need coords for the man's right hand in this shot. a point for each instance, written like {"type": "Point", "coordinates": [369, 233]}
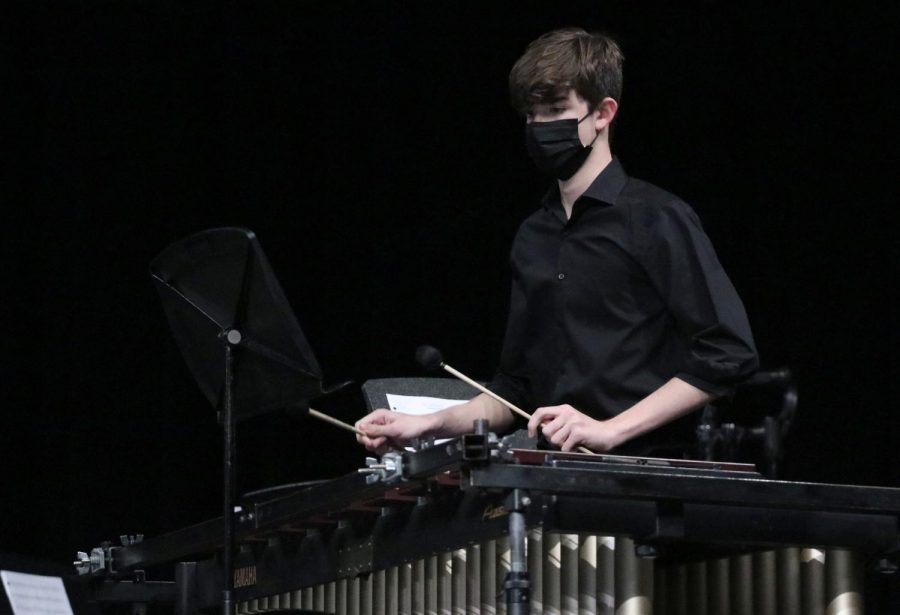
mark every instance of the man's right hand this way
{"type": "Point", "coordinates": [385, 429]}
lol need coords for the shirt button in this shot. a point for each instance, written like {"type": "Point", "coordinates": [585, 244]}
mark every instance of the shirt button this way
{"type": "Point", "coordinates": [561, 276]}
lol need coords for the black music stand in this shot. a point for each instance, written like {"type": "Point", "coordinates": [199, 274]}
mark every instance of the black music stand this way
{"type": "Point", "coordinates": [376, 390]}
{"type": "Point", "coordinates": [240, 339]}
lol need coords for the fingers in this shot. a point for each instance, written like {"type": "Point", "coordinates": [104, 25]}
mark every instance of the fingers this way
{"type": "Point", "coordinates": [541, 416]}
{"type": "Point", "coordinates": [552, 428]}
{"type": "Point", "coordinates": [376, 417]}
{"type": "Point", "coordinates": [563, 426]}
{"type": "Point", "coordinates": [384, 428]}
{"type": "Point", "coordinates": [375, 430]}
{"type": "Point", "coordinates": [560, 436]}
{"type": "Point", "coordinates": [550, 414]}
{"type": "Point", "coordinates": [572, 440]}
{"type": "Point", "coordinates": [371, 441]}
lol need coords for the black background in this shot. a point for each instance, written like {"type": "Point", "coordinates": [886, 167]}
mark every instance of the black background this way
{"type": "Point", "coordinates": [372, 149]}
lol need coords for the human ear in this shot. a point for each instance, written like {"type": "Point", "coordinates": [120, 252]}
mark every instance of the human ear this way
{"type": "Point", "coordinates": [606, 111]}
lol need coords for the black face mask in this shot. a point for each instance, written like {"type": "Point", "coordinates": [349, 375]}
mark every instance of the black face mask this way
{"type": "Point", "coordinates": [555, 146]}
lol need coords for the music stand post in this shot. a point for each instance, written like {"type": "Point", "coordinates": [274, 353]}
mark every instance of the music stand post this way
{"type": "Point", "coordinates": [221, 296]}
{"type": "Point", "coordinates": [228, 452]}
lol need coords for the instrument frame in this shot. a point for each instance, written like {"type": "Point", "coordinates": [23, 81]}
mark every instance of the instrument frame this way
{"type": "Point", "coordinates": [452, 495]}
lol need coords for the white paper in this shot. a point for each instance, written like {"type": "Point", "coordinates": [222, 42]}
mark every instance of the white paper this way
{"type": "Point", "coordinates": [35, 594]}
{"type": "Point", "coordinates": [417, 404]}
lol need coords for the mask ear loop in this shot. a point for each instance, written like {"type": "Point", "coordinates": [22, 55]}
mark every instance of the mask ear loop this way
{"type": "Point", "coordinates": [591, 144]}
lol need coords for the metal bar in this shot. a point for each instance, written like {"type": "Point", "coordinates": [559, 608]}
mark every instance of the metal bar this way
{"type": "Point", "coordinates": [145, 591]}
{"type": "Point", "coordinates": [503, 567]}
{"type": "Point", "coordinates": [788, 570]}
{"type": "Point", "coordinates": [341, 597]}
{"type": "Point", "coordinates": [844, 583]}
{"type": "Point", "coordinates": [741, 583]}
{"type": "Point", "coordinates": [319, 599]}
{"type": "Point", "coordinates": [587, 575]}
{"type": "Point", "coordinates": [330, 599]}
{"type": "Point", "coordinates": [634, 581]}
{"type": "Point", "coordinates": [697, 588]}
{"type": "Point", "coordinates": [185, 581]}
{"type": "Point", "coordinates": [661, 592]}
{"type": "Point", "coordinates": [473, 579]}
{"type": "Point", "coordinates": [552, 573]}
{"type": "Point", "coordinates": [765, 583]}
{"type": "Point", "coordinates": [606, 575]}
{"type": "Point", "coordinates": [392, 589]}
{"type": "Point", "coordinates": [419, 587]}
{"type": "Point", "coordinates": [379, 591]}
{"type": "Point", "coordinates": [405, 589]}
{"type": "Point", "coordinates": [458, 582]}
{"type": "Point", "coordinates": [609, 481]}
{"type": "Point", "coordinates": [717, 574]}
{"type": "Point", "coordinates": [428, 462]}
{"type": "Point", "coordinates": [445, 586]}
{"type": "Point", "coordinates": [568, 570]}
{"type": "Point", "coordinates": [432, 587]}
{"type": "Point", "coordinates": [677, 590]}
{"type": "Point", "coordinates": [488, 580]}
{"type": "Point", "coordinates": [354, 598]}
{"type": "Point", "coordinates": [542, 457]}
{"type": "Point", "coordinates": [812, 578]}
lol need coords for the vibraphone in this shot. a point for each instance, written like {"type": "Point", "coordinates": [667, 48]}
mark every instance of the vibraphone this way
{"type": "Point", "coordinates": [476, 526]}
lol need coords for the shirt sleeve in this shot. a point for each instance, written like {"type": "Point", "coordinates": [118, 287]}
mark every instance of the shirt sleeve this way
{"type": "Point", "coordinates": [511, 382]}
{"type": "Point", "coordinates": [682, 266]}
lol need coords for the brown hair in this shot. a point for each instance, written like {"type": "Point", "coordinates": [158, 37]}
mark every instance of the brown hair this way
{"type": "Point", "coordinates": [571, 58]}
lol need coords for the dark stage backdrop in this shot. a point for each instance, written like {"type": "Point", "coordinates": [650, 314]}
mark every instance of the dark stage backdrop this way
{"type": "Point", "coordinates": [372, 149]}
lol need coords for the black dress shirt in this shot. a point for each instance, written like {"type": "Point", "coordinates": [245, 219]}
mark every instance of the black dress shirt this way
{"type": "Point", "coordinates": [612, 303]}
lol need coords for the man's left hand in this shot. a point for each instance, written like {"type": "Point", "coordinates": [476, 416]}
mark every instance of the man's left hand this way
{"type": "Point", "coordinates": [568, 428]}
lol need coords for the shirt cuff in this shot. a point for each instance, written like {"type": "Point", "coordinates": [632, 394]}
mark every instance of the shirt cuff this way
{"type": "Point", "coordinates": [509, 388]}
{"type": "Point", "coordinates": [719, 390]}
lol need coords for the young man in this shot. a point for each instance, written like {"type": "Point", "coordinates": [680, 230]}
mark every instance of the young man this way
{"type": "Point", "coordinates": [622, 320]}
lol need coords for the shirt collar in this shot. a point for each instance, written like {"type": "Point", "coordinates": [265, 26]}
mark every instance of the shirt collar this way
{"type": "Point", "coordinates": [605, 188]}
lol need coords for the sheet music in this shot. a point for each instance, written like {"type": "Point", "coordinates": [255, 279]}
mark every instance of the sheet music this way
{"type": "Point", "coordinates": [35, 594]}
{"type": "Point", "coordinates": [417, 404]}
